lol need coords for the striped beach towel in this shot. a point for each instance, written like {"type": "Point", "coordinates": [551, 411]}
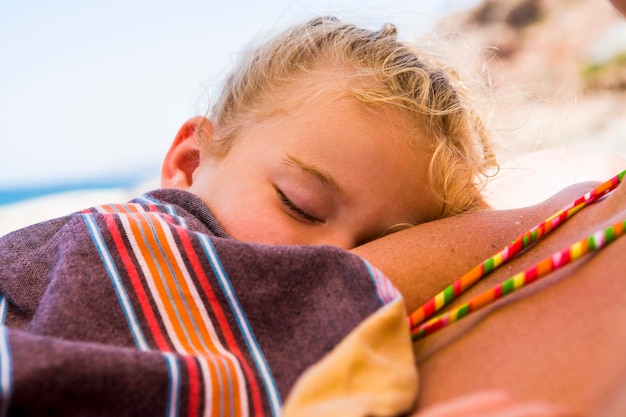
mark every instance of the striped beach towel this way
{"type": "Point", "coordinates": [149, 308]}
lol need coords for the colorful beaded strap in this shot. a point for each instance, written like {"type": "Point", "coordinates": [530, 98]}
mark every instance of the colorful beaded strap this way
{"type": "Point", "coordinates": [420, 328]}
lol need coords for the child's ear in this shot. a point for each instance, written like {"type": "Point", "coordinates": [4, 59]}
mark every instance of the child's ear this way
{"type": "Point", "coordinates": [183, 157]}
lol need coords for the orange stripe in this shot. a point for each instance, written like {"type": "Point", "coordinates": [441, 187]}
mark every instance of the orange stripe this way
{"type": "Point", "coordinates": [180, 292]}
{"type": "Point", "coordinates": [482, 300]}
{"type": "Point", "coordinates": [471, 277]}
{"type": "Point", "coordinates": [121, 208]}
{"type": "Point", "coordinates": [544, 266]}
{"type": "Point", "coordinates": [189, 314]}
{"type": "Point", "coordinates": [144, 244]}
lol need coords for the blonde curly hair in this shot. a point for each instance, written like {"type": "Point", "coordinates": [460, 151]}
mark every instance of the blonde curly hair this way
{"type": "Point", "coordinates": [432, 95]}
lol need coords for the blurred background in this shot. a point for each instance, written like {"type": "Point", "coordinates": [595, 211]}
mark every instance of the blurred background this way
{"type": "Point", "coordinates": [92, 93]}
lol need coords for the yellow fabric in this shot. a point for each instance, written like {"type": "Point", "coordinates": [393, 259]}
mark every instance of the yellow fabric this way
{"type": "Point", "coordinates": [370, 373]}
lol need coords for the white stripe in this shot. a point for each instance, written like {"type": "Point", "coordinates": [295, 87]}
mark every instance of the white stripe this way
{"type": "Point", "coordinates": [6, 383]}
{"type": "Point", "coordinates": [140, 341]}
{"type": "Point", "coordinates": [505, 253]}
{"type": "Point", "coordinates": [385, 290]}
{"type": "Point", "coordinates": [120, 209]}
{"type": "Point", "coordinates": [173, 394]}
{"type": "Point", "coordinates": [244, 326]}
{"type": "Point", "coordinates": [385, 287]}
{"type": "Point", "coordinates": [208, 388]}
{"type": "Point", "coordinates": [599, 238]}
{"type": "Point", "coordinates": [4, 305]}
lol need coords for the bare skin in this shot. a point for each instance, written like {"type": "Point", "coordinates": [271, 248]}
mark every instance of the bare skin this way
{"type": "Point", "coordinates": [561, 340]}
{"type": "Point", "coordinates": [493, 404]}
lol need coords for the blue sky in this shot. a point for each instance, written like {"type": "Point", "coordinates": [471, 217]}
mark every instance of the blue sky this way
{"type": "Point", "coordinates": [93, 90]}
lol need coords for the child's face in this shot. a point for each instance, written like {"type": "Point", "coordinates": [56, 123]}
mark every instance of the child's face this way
{"type": "Point", "coordinates": [318, 173]}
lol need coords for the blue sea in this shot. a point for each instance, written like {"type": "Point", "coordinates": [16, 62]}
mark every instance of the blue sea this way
{"type": "Point", "coordinates": [13, 194]}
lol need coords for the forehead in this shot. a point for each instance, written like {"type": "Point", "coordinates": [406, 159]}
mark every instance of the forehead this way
{"type": "Point", "coordinates": [330, 87]}
{"type": "Point", "coordinates": [328, 96]}
{"type": "Point", "coordinates": [373, 150]}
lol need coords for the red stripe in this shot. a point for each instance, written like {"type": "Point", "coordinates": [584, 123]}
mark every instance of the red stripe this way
{"type": "Point", "coordinates": [216, 307]}
{"type": "Point", "coordinates": [456, 285]}
{"type": "Point", "coordinates": [429, 307]}
{"type": "Point", "coordinates": [434, 326]}
{"type": "Point", "coordinates": [194, 386]}
{"type": "Point", "coordinates": [384, 287]}
{"type": "Point", "coordinates": [531, 274]}
{"type": "Point", "coordinates": [582, 198]}
{"type": "Point", "coordinates": [497, 291]}
{"type": "Point", "coordinates": [136, 282]}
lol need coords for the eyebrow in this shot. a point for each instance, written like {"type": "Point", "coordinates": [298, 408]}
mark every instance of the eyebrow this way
{"type": "Point", "coordinates": [318, 174]}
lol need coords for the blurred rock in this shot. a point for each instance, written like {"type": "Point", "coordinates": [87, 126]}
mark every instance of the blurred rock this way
{"type": "Point", "coordinates": [559, 67]}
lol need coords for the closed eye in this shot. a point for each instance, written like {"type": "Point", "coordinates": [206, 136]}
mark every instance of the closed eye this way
{"type": "Point", "coordinates": [296, 210]}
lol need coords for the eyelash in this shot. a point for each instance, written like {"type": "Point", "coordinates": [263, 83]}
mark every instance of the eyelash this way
{"type": "Point", "coordinates": [294, 208]}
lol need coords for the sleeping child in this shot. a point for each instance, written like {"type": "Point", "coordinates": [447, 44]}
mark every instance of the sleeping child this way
{"type": "Point", "coordinates": [231, 290]}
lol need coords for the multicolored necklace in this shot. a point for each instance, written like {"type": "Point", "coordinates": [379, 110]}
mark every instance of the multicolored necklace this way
{"type": "Point", "coordinates": [420, 320]}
